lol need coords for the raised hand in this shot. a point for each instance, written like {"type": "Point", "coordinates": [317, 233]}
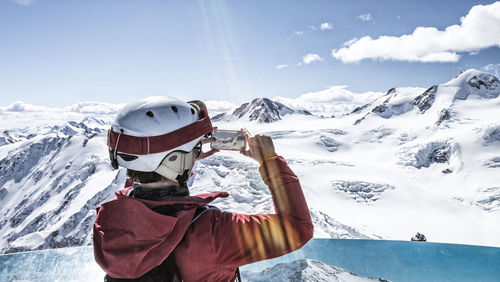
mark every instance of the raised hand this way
{"type": "Point", "coordinates": [259, 146]}
{"type": "Point", "coordinates": [208, 153]}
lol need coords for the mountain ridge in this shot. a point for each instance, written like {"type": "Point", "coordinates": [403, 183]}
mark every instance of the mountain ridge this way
{"type": "Point", "coordinates": [260, 110]}
{"type": "Point", "coordinates": [468, 83]}
{"type": "Point", "coordinates": [53, 175]}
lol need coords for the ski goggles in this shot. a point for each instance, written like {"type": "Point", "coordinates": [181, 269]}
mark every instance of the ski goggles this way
{"type": "Point", "coordinates": [133, 145]}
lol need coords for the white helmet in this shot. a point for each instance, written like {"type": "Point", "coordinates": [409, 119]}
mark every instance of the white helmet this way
{"type": "Point", "coordinates": [158, 134]}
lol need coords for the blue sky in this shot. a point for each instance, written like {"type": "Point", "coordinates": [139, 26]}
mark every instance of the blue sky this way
{"type": "Point", "coordinates": [57, 53]}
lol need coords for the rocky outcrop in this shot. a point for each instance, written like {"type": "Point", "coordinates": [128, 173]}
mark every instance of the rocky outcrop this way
{"type": "Point", "coordinates": [305, 270]}
{"type": "Point", "coordinates": [424, 101]}
{"type": "Point", "coordinates": [260, 110]}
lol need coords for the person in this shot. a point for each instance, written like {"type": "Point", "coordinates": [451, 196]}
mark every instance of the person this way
{"type": "Point", "coordinates": [155, 231]}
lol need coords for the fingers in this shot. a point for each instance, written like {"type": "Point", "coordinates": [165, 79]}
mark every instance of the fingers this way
{"type": "Point", "coordinates": [246, 133]}
{"type": "Point", "coordinates": [207, 140]}
{"type": "Point", "coordinates": [258, 145]}
{"type": "Point", "coordinates": [246, 153]}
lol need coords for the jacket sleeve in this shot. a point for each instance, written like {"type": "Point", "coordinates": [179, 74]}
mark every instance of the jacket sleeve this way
{"type": "Point", "coordinates": [240, 239]}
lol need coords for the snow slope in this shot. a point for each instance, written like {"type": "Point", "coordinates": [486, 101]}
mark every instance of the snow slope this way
{"type": "Point", "coordinates": [414, 160]}
{"type": "Point", "coordinates": [261, 110]}
{"type": "Point", "coordinates": [305, 270]}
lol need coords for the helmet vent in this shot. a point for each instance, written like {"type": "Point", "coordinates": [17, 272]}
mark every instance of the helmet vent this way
{"type": "Point", "coordinates": [174, 108]}
{"type": "Point", "coordinates": [192, 111]}
{"type": "Point", "coordinates": [150, 114]}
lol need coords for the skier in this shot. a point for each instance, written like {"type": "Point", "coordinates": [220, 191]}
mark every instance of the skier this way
{"type": "Point", "coordinates": [155, 231]}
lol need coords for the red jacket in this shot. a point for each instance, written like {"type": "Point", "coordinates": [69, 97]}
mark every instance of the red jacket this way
{"type": "Point", "coordinates": [130, 239]}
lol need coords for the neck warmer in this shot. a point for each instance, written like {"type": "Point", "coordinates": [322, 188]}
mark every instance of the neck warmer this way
{"type": "Point", "coordinates": [157, 190]}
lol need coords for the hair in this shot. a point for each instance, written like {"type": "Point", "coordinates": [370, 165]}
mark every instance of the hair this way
{"type": "Point", "coordinates": [145, 177]}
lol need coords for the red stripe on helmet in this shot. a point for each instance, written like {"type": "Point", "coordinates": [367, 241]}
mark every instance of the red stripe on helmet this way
{"type": "Point", "coordinates": [156, 144]}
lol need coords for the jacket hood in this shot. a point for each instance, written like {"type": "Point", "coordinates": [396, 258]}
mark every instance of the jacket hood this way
{"type": "Point", "coordinates": [130, 238]}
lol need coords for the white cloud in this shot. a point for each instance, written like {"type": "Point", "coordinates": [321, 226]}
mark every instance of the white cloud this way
{"type": "Point", "coordinates": [365, 17]}
{"type": "Point", "coordinates": [493, 68]}
{"type": "Point", "coordinates": [216, 107]}
{"type": "Point", "coordinates": [325, 26]}
{"type": "Point", "coordinates": [20, 106]}
{"type": "Point", "coordinates": [298, 32]}
{"type": "Point", "coordinates": [350, 42]}
{"type": "Point", "coordinates": [94, 108]}
{"type": "Point", "coordinates": [311, 27]}
{"type": "Point", "coordinates": [278, 67]}
{"type": "Point", "coordinates": [479, 29]}
{"type": "Point", "coordinates": [83, 108]}
{"type": "Point", "coordinates": [311, 58]}
{"type": "Point", "coordinates": [23, 2]}
{"type": "Point", "coordinates": [334, 100]}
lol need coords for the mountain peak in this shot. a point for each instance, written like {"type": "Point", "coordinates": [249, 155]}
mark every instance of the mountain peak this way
{"type": "Point", "coordinates": [477, 82]}
{"type": "Point", "coordinates": [261, 110]}
{"type": "Point", "coordinates": [306, 270]}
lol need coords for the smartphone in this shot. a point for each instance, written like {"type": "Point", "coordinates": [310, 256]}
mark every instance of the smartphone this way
{"type": "Point", "coordinates": [228, 140]}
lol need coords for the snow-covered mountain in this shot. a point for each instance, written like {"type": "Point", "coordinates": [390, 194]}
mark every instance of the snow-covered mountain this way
{"type": "Point", "coordinates": [406, 167]}
{"type": "Point", "coordinates": [306, 270]}
{"type": "Point", "coordinates": [261, 110]}
{"type": "Point", "coordinates": [51, 182]}
{"type": "Point", "coordinates": [439, 100]}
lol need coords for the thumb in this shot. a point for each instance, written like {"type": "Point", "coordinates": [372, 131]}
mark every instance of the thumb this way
{"type": "Point", "coordinates": [246, 153]}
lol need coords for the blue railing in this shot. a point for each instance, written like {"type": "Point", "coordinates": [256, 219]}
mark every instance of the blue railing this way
{"type": "Point", "coordinates": [392, 260]}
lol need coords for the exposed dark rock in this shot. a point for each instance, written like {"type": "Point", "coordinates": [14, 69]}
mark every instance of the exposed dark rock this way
{"type": "Point", "coordinates": [424, 101]}
{"type": "Point", "coordinates": [239, 112]}
{"type": "Point", "coordinates": [447, 171]}
{"type": "Point", "coordinates": [490, 199]}
{"type": "Point", "coordinates": [492, 136]}
{"type": "Point", "coordinates": [361, 119]}
{"type": "Point", "coordinates": [424, 155]}
{"type": "Point", "coordinates": [487, 81]}
{"type": "Point", "coordinates": [3, 193]}
{"type": "Point", "coordinates": [304, 270]}
{"type": "Point", "coordinates": [6, 138]}
{"type": "Point", "coordinates": [265, 110]}
{"type": "Point", "coordinates": [379, 109]}
{"type": "Point", "coordinates": [329, 143]}
{"type": "Point", "coordinates": [360, 191]}
{"type": "Point", "coordinates": [359, 109]}
{"type": "Point", "coordinates": [459, 73]}
{"type": "Point", "coordinates": [419, 237]}
{"type": "Point", "coordinates": [443, 115]}
{"type": "Point", "coordinates": [391, 91]}
{"type": "Point", "coordinates": [90, 120]}
{"type": "Point", "coordinates": [261, 110]}
{"type": "Point", "coordinates": [88, 138]}
{"type": "Point", "coordinates": [24, 159]}
{"type": "Point", "coordinates": [440, 155]}
{"type": "Point", "coordinates": [482, 84]}
{"type": "Point", "coordinates": [493, 163]}
{"type": "Point", "coordinates": [218, 117]}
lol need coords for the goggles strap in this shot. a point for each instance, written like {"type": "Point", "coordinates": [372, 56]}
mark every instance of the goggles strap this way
{"type": "Point", "coordinates": [116, 146]}
{"type": "Point", "coordinates": [156, 144]}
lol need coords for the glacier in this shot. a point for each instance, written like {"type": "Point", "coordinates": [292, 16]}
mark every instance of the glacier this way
{"type": "Point", "coordinates": [412, 160]}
